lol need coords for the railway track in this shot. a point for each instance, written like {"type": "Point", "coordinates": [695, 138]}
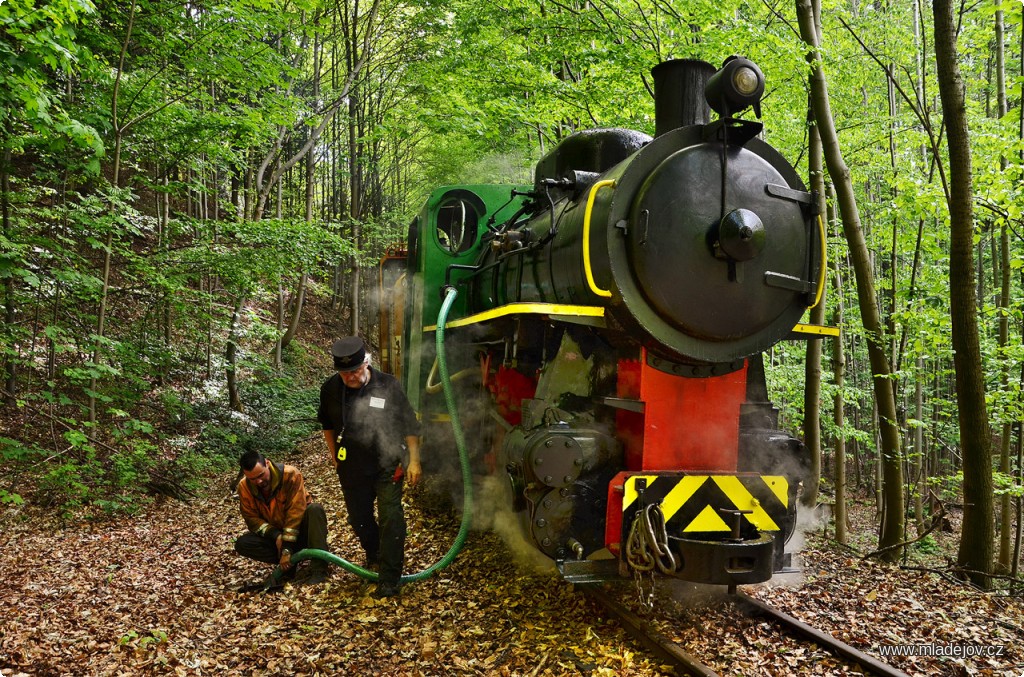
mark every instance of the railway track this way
{"type": "Point", "coordinates": [685, 663]}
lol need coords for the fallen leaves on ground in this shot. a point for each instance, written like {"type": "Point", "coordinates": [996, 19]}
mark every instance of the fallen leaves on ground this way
{"type": "Point", "coordinates": [156, 594]}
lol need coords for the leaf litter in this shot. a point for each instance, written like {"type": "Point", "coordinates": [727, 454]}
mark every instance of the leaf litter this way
{"type": "Point", "coordinates": [156, 594]}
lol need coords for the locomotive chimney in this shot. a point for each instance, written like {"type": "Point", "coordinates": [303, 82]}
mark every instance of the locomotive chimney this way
{"type": "Point", "coordinates": [679, 94]}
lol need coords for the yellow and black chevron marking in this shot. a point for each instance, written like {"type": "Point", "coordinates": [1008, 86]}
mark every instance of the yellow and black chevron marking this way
{"type": "Point", "coordinates": [691, 503]}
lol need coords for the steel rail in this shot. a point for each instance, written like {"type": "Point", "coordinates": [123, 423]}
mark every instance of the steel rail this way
{"type": "Point", "coordinates": [827, 641]}
{"type": "Point", "coordinates": [686, 664]}
{"type": "Point", "coordinates": [662, 647]}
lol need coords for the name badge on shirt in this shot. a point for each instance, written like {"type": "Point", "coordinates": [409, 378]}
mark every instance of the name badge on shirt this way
{"type": "Point", "coordinates": [377, 402]}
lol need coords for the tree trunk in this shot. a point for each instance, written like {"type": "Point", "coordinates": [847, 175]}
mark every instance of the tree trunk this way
{"type": "Point", "coordinates": [115, 181]}
{"type": "Point", "coordinates": [296, 310]}
{"type": "Point", "coordinates": [300, 294]}
{"type": "Point", "coordinates": [838, 372]}
{"type": "Point", "coordinates": [919, 465]}
{"type": "Point", "coordinates": [812, 362]}
{"type": "Point", "coordinates": [1019, 478]}
{"type": "Point", "coordinates": [231, 355]}
{"type": "Point", "coordinates": [101, 315]}
{"type": "Point", "coordinates": [355, 206]}
{"type": "Point", "coordinates": [1014, 568]}
{"type": "Point", "coordinates": [892, 469]}
{"type": "Point", "coordinates": [1005, 518]}
{"type": "Point", "coordinates": [164, 209]}
{"type": "Point", "coordinates": [10, 312]}
{"type": "Point", "coordinates": [280, 325]}
{"type": "Point", "coordinates": [838, 404]}
{"type": "Point", "coordinates": [976, 537]}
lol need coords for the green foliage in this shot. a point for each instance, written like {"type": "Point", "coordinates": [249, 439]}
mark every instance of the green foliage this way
{"type": "Point", "coordinates": [279, 414]}
{"type": "Point", "coordinates": [249, 254]}
{"type": "Point", "coordinates": [927, 545]}
{"type": "Point", "coordinates": [176, 408]}
{"type": "Point", "coordinates": [118, 476]}
{"type": "Point", "coordinates": [15, 451]}
{"type": "Point", "coordinates": [111, 479]}
{"type": "Point", "coordinates": [115, 478]}
{"type": "Point", "coordinates": [1006, 485]}
{"type": "Point", "coordinates": [10, 498]}
{"type": "Point", "coordinates": [143, 642]}
{"type": "Point", "coordinates": [784, 371]}
{"type": "Point", "coordinates": [947, 487]}
{"type": "Point", "coordinates": [65, 485]}
{"type": "Point", "coordinates": [40, 50]}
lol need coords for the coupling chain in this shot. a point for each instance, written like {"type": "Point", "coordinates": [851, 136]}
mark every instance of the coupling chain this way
{"type": "Point", "coordinates": [647, 546]}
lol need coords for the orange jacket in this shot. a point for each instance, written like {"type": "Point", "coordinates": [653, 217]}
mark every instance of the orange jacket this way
{"type": "Point", "coordinates": [283, 508]}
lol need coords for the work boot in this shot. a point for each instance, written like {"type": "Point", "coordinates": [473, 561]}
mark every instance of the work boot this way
{"type": "Point", "coordinates": [386, 590]}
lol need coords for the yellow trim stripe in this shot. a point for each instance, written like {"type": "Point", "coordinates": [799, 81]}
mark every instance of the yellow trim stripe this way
{"type": "Point", "coordinates": [681, 493]}
{"type": "Point", "coordinates": [709, 519]}
{"type": "Point", "coordinates": [779, 486]}
{"type": "Point", "coordinates": [744, 500]}
{"type": "Point", "coordinates": [524, 309]}
{"type": "Point", "coordinates": [816, 329]}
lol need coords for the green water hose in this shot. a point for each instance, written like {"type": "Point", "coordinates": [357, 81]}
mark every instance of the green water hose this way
{"type": "Point", "coordinates": [467, 478]}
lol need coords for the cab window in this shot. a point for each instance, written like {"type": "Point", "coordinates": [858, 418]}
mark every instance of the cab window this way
{"type": "Point", "coordinates": [458, 220]}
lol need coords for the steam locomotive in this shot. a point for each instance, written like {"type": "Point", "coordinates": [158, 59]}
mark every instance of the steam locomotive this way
{"type": "Point", "coordinates": [606, 341]}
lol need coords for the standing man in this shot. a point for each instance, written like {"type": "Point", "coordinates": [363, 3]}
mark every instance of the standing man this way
{"type": "Point", "coordinates": [281, 517]}
{"type": "Point", "coordinates": [372, 438]}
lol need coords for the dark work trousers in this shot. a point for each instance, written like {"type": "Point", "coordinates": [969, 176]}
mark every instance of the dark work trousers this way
{"type": "Point", "coordinates": [312, 534]}
{"type": "Point", "coordinates": [383, 538]}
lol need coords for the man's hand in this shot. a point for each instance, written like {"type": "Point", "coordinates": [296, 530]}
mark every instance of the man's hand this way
{"type": "Point", "coordinates": [413, 472]}
{"type": "Point", "coordinates": [284, 555]}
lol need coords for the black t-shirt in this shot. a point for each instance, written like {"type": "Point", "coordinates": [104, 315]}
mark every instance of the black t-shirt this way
{"type": "Point", "coordinates": [372, 423]}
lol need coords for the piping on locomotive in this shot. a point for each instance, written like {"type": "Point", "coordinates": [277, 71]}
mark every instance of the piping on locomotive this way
{"type": "Point", "coordinates": [606, 343]}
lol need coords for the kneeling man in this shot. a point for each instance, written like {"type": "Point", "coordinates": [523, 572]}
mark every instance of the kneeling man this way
{"type": "Point", "coordinates": [281, 516]}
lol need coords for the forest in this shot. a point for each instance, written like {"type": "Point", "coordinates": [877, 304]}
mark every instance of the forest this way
{"type": "Point", "coordinates": [188, 187]}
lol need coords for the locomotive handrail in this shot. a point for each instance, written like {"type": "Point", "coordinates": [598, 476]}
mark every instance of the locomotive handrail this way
{"type": "Point", "coordinates": [521, 308]}
{"type": "Point", "coordinates": [821, 275]}
{"type": "Point", "coordinates": [433, 387]}
{"type": "Point", "coordinates": [586, 237]}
